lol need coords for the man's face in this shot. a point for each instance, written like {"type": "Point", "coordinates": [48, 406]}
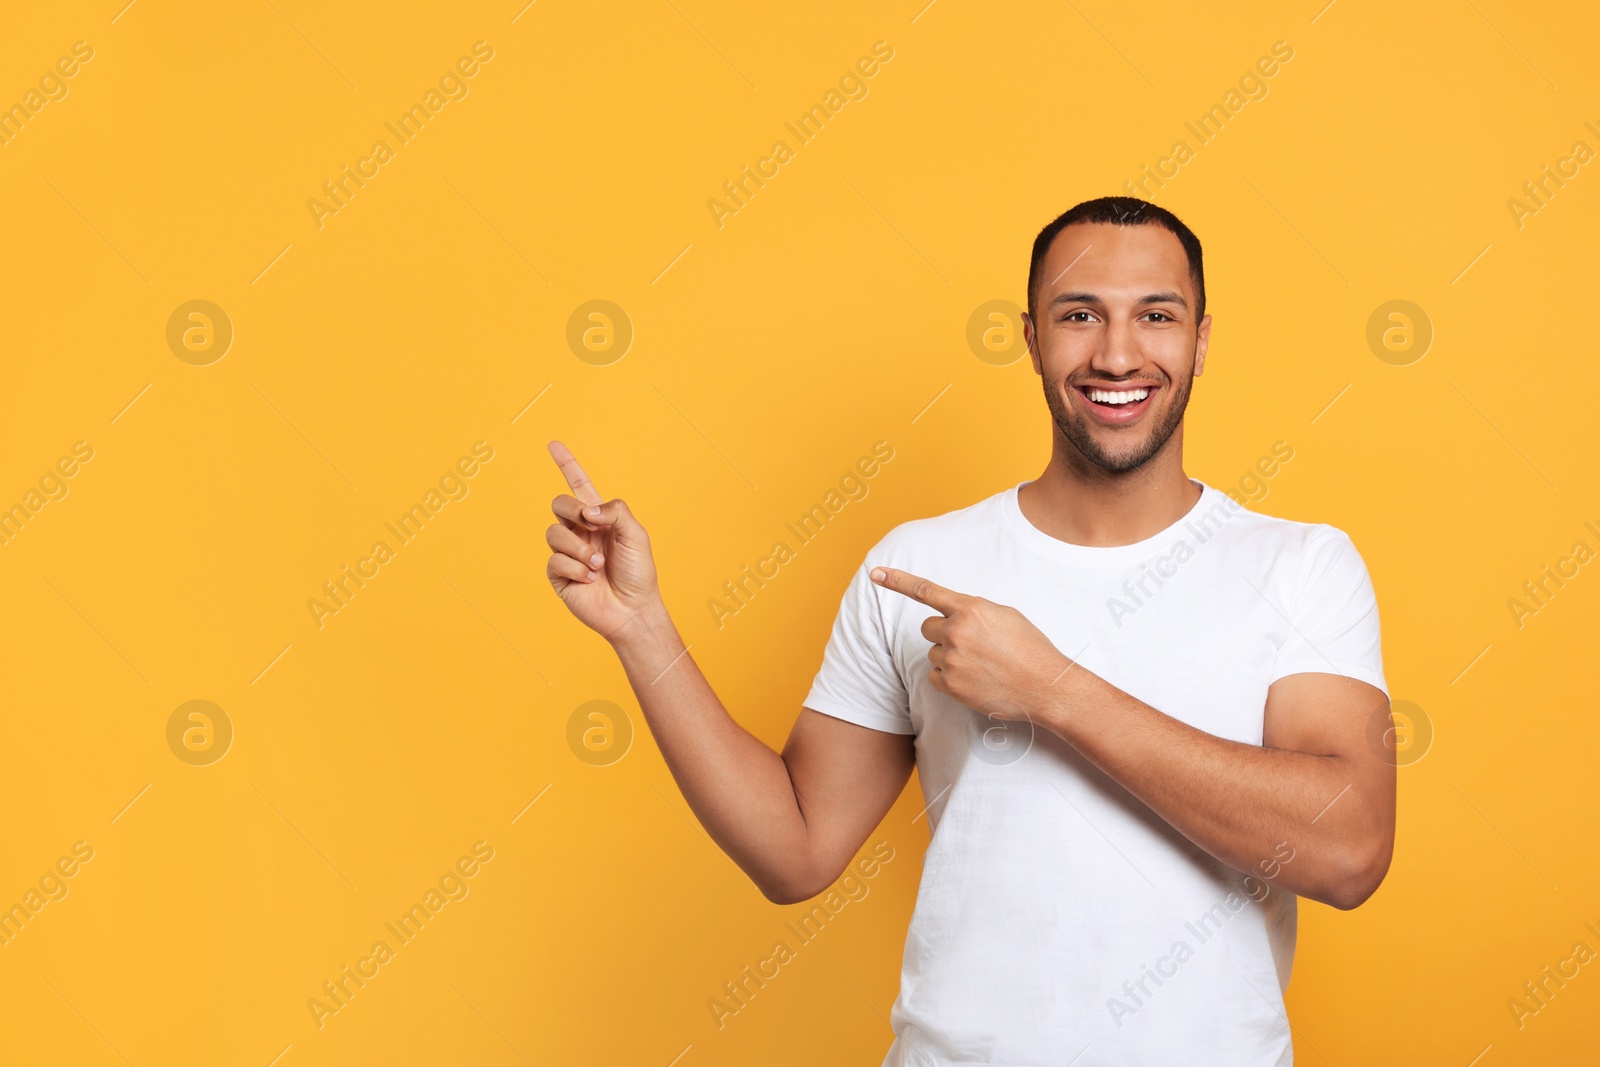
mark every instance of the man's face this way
{"type": "Point", "coordinates": [1116, 343]}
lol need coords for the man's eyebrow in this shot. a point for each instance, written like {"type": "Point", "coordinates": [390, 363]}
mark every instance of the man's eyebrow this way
{"type": "Point", "coordinates": [1081, 297]}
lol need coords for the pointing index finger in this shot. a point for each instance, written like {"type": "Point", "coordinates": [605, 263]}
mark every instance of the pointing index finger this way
{"type": "Point", "coordinates": [582, 487]}
{"type": "Point", "coordinates": [935, 596]}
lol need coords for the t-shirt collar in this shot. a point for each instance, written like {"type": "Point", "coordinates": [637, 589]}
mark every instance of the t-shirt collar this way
{"type": "Point", "coordinates": [1096, 555]}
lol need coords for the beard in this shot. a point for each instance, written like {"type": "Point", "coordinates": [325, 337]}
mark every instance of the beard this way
{"type": "Point", "coordinates": [1077, 432]}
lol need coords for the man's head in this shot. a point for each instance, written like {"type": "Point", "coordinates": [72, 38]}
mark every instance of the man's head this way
{"type": "Point", "coordinates": [1117, 328]}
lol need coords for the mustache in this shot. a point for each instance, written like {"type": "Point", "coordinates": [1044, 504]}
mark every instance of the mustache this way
{"type": "Point", "coordinates": [1121, 381]}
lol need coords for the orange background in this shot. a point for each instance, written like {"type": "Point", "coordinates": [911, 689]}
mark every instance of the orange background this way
{"type": "Point", "coordinates": [369, 755]}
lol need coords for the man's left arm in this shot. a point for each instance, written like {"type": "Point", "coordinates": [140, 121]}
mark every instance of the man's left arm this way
{"type": "Point", "coordinates": [1315, 785]}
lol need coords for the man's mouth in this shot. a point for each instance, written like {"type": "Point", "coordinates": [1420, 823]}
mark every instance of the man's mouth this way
{"type": "Point", "coordinates": [1118, 405]}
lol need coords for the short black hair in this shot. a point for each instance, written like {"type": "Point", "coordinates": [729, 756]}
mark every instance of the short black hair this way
{"type": "Point", "coordinates": [1121, 211]}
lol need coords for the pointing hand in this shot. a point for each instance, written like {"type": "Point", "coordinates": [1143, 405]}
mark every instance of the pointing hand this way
{"type": "Point", "coordinates": [600, 564]}
{"type": "Point", "coordinates": [984, 655]}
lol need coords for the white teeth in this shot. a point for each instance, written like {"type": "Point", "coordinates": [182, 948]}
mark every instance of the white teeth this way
{"type": "Point", "coordinates": [1125, 396]}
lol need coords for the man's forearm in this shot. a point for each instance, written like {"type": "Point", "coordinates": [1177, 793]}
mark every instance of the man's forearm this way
{"type": "Point", "coordinates": [739, 788]}
{"type": "Point", "coordinates": [1237, 801]}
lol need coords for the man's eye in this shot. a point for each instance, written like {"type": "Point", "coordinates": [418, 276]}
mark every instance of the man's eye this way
{"type": "Point", "coordinates": [1162, 315]}
{"type": "Point", "coordinates": [1069, 316]}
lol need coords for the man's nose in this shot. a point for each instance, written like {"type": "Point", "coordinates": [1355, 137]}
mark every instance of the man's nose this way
{"type": "Point", "coordinates": [1118, 353]}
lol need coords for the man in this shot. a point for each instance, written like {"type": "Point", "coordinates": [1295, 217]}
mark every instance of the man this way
{"type": "Point", "coordinates": [1143, 716]}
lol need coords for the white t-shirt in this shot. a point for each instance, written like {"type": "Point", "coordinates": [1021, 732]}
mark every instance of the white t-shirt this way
{"type": "Point", "coordinates": [1058, 916]}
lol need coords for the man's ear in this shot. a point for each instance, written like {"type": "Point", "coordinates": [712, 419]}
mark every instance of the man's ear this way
{"type": "Point", "coordinates": [1201, 342]}
{"type": "Point", "coordinates": [1032, 340]}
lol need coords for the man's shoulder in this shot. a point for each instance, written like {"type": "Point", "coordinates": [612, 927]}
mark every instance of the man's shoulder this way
{"type": "Point", "coordinates": [1259, 529]}
{"type": "Point", "coordinates": [946, 532]}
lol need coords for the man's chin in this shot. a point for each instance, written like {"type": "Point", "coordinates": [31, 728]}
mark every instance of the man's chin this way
{"type": "Point", "coordinates": [1121, 464]}
{"type": "Point", "coordinates": [1118, 449]}
{"type": "Point", "coordinates": [1125, 457]}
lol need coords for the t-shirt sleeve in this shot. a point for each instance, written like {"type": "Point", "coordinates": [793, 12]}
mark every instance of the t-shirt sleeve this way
{"type": "Point", "coordinates": [1333, 614]}
{"type": "Point", "coordinates": [859, 681]}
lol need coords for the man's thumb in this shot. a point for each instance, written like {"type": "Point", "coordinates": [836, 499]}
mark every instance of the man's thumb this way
{"type": "Point", "coordinates": [615, 514]}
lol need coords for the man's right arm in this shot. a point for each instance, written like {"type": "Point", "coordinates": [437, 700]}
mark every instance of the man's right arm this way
{"type": "Point", "coordinates": [791, 821]}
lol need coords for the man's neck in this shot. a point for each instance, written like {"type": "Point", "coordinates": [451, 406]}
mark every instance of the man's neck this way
{"type": "Point", "coordinates": [1077, 502]}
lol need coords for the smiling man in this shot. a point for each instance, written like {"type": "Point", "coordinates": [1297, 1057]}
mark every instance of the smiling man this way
{"type": "Point", "coordinates": [1124, 806]}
